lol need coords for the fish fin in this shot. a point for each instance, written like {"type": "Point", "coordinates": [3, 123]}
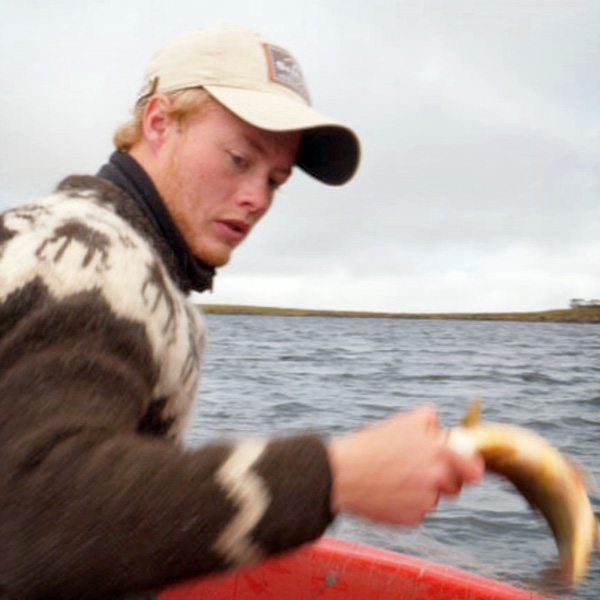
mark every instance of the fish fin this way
{"type": "Point", "coordinates": [583, 475]}
{"type": "Point", "coordinates": [587, 478]}
{"type": "Point", "coordinates": [473, 413]}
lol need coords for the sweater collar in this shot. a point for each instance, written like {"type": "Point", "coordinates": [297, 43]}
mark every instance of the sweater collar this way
{"type": "Point", "coordinates": [126, 173]}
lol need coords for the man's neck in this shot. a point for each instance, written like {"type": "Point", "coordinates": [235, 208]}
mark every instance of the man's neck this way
{"type": "Point", "coordinates": [124, 171]}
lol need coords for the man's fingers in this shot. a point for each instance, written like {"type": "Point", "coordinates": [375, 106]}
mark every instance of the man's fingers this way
{"type": "Point", "coordinates": [469, 468]}
{"type": "Point", "coordinates": [428, 417]}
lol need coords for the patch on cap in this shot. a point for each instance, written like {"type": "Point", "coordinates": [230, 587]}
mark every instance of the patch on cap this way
{"type": "Point", "coordinates": [284, 69]}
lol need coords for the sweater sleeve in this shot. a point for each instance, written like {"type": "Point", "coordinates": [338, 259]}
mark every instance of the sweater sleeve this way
{"type": "Point", "coordinates": [94, 503]}
{"type": "Point", "coordinates": [92, 508]}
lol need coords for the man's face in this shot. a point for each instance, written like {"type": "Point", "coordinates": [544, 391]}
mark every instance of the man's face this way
{"type": "Point", "coordinates": [217, 176]}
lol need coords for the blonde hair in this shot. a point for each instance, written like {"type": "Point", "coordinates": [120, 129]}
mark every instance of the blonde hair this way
{"type": "Point", "coordinates": [185, 104]}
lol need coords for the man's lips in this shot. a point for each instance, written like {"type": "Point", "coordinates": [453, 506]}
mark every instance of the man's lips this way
{"type": "Point", "coordinates": [234, 229]}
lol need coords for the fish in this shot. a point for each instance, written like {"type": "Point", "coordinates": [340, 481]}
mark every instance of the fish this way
{"type": "Point", "coordinates": [550, 482]}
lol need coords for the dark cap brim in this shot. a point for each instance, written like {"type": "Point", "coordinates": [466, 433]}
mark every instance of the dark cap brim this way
{"type": "Point", "coordinates": [330, 154]}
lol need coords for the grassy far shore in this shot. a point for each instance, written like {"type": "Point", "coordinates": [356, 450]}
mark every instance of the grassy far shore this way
{"type": "Point", "coordinates": [567, 315]}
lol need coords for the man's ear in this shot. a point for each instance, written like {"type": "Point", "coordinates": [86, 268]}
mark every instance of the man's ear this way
{"type": "Point", "coordinates": [157, 122]}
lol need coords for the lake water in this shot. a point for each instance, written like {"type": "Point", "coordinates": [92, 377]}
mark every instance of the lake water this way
{"type": "Point", "coordinates": [281, 375]}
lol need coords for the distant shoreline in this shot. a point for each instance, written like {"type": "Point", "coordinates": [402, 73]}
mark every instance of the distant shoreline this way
{"type": "Point", "coordinates": [567, 315]}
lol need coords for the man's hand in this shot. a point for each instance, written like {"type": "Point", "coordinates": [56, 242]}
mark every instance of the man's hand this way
{"type": "Point", "coordinates": [395, 470]}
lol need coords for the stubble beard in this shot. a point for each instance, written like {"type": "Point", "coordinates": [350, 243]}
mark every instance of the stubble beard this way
{"type": "Point", "coordinates": [179, 207]}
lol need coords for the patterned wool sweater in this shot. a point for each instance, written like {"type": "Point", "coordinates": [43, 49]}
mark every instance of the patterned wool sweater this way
{"type": "Point", "coordinates": [100, 352]}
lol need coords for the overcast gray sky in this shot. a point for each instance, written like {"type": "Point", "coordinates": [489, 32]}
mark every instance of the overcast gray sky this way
{"type": "Point", "coordinates": [479, 188]}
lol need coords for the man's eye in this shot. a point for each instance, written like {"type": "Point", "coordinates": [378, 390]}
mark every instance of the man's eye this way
{"type": "Point", "coordinates": [274, 183]}
{"type": "Point", "coordinates": [237, 160]}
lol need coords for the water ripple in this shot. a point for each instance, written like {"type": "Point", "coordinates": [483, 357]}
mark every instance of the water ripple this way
{"type": "Point", "coordinates": [280, 375]}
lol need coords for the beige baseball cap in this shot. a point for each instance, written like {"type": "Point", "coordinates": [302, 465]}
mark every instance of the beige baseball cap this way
{"type": "Point", "coordinates": [262, 84]}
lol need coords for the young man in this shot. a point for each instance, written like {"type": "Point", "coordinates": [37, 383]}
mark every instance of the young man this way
{"type": "Point", "coordinates": [100, 349]}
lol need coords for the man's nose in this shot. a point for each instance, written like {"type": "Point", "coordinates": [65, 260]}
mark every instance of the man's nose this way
{"type": "Point", "coordinates": [257, 196]}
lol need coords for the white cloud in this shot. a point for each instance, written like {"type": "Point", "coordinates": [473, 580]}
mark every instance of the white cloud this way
{"type": "Point", "coordinates": [479, 121]}
{"type": "Point", "coordinates": [520, 277]}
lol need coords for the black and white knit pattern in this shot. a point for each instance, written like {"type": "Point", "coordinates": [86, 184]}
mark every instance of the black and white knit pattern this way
{"type": "Point", "coordinates": [72, 244]}
{"type": "Point", "coordinates": [100, 352]}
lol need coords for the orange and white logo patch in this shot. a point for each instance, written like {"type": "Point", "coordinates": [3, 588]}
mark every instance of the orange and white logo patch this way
{"type": "Point", "coordinates": [284, 69]}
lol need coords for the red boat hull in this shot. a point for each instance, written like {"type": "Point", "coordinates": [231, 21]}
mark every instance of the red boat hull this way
{"type": "Point", "coordinates": [338, 570]}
